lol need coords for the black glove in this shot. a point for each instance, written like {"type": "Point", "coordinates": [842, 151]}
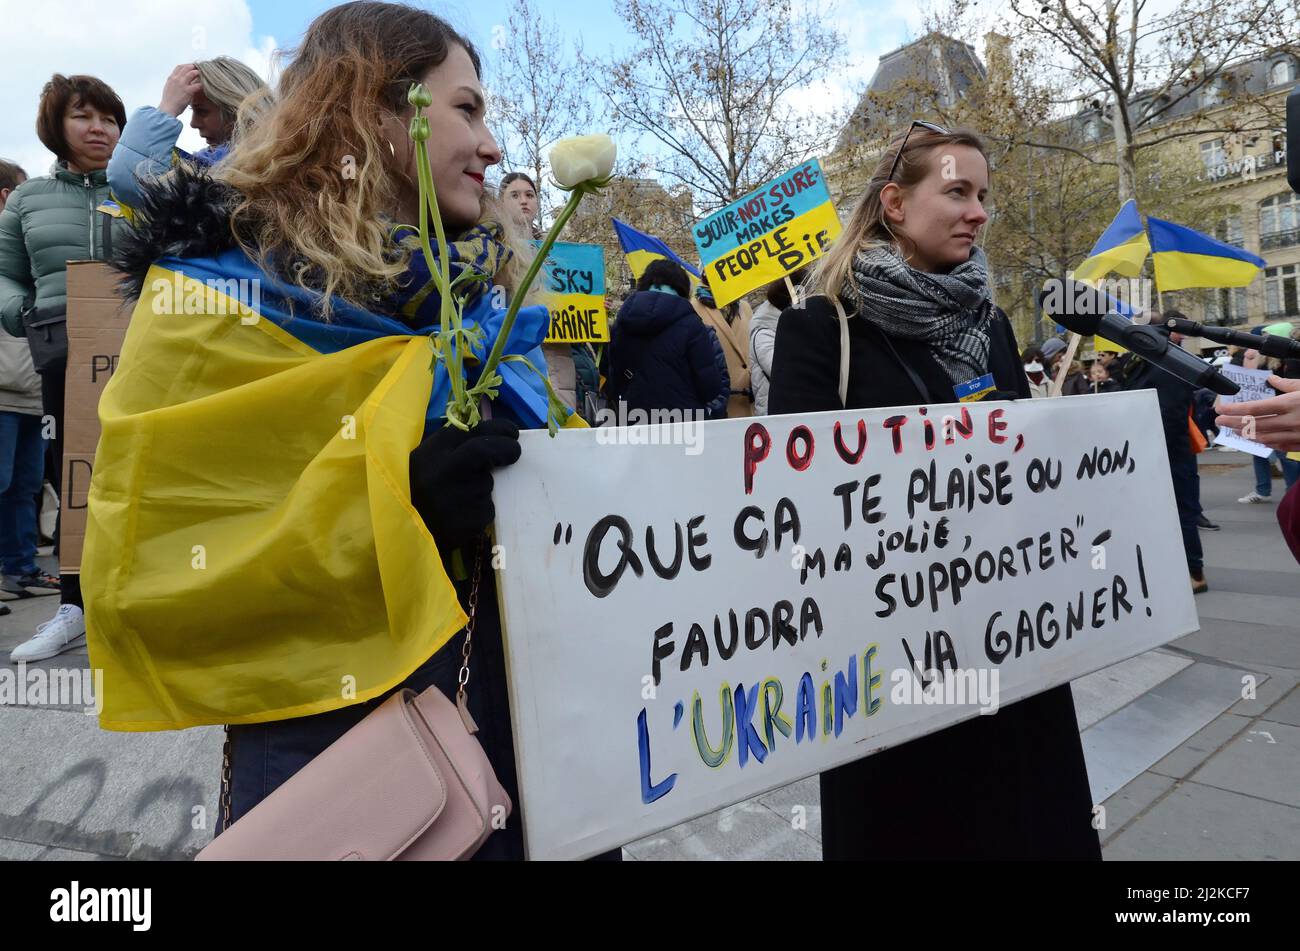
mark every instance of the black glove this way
{"type": "Point", "coordinates": [451, 479]}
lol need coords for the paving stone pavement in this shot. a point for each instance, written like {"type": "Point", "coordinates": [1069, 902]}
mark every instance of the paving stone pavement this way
{"type": "Point", "coordinates": [1223, 783]}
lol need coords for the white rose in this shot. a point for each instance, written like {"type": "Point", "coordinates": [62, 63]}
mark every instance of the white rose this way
{"type": "Point", "coordinates": [582, 159]}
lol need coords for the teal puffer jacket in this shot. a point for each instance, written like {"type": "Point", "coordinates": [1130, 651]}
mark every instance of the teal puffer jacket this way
{"type": "Point", "coordinates": [47, 222]}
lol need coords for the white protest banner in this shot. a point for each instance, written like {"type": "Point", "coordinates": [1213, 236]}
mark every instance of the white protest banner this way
{"type": "Point", "coordinates": [697, 613]}
{"type": "Point", "coordinates": [1254, 386]}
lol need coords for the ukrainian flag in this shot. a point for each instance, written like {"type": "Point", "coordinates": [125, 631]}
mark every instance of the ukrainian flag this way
{"type": "Point", "coordinates": [251, 551]}
{"type": "Point", "coordinates": [640, 249]}
{"type": "Point", "coordinates": [1187, 258]}
{"type": "Point", "coordinates": [1122, 247]}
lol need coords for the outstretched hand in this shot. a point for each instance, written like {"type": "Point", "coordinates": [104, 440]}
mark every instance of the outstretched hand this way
{"type": "Point", "coordinates": [1275, 421]}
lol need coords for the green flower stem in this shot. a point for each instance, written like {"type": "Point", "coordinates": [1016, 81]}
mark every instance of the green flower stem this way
{"type": "Point", "coordinates": [575, 199]}
{"type": "Point", "coordinates": [447, 315]}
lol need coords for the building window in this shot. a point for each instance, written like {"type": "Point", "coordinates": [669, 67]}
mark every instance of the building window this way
{"type": "Point", "coordinates": [1212, 154]}
{"type": "Point", "coordinates": [1283, 71]}
{"type": "Point", "coordinates": [1213, 92]}
{"type": "Point", "coordinates": [1226, 305]}
{"type": "Point", "coordinates": [1280, 297]}
{"type": "Point", "coordinates": [1279, 221]}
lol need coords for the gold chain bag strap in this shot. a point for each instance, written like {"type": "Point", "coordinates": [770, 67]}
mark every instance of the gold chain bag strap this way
{"type": "Point", "coordinates": [408, 782]}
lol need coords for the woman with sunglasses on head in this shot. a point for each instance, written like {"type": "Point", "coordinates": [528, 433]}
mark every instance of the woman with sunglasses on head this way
{"type": "Point", "coordinates": [909, 283]}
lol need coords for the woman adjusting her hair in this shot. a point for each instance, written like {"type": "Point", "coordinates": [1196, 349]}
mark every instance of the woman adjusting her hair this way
{"type": "Point", "coordinates": [214, 91]}
{"type": "Point", "coordinates": [283, 528]}
{"type": "Point", "coordinates": [905, 291]}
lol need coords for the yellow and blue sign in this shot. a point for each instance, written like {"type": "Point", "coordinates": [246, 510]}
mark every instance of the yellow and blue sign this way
{"type": "Point", "coordinates": [974, 390]}
{"type": "Point", "coordinates": [768, 234]}
{"type": "Point", "coordinates": [574, 290]}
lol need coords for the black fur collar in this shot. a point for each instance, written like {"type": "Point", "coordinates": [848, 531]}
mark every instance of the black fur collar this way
{"type": "Point", "coordinates": [185, 213]}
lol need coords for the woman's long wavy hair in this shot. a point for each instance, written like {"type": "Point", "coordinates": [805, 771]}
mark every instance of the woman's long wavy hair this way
{"type": "Point", "coordinates": [868, 226]}
{"type": "Point", "coordinates": [317, 178]}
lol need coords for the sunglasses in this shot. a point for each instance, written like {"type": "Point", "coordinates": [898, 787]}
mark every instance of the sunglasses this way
{"type": "Point", "coordinates": [915, 122]}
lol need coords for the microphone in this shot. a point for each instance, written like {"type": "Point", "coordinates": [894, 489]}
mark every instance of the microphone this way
{"type": "Point", "coordinates": [1086, 311]}
{"type": "Point", "coordinates": [1284, 348]}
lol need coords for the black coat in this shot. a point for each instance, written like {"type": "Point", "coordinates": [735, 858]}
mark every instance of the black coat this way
{"type": "Point", "coordinates": [662, 356]}
{"type": "Point", "coordinates": [1011, 785]}
{"type": "Point", "coordinates": [1174, 395]}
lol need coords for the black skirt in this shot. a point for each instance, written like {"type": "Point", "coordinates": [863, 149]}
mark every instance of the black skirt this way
{"type": "Point", "coordinates": [1011, 785]}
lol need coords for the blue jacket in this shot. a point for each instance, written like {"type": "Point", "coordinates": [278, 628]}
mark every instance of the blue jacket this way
{"type": "Point", "coordinates": [146, 150]}
{"type": "Point", "coordinates": [662, 356]}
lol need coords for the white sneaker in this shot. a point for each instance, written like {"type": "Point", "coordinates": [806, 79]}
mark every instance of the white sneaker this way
{"type": "Point", "coordinates": [1254, 499]}
{"type": "Point", "coordinates": [64, 632]}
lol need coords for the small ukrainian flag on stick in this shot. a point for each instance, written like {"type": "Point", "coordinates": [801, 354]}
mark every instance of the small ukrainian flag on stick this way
{"type": "Point", "coordinates": [1123, 247]}
{"type": "Point", "coordinates": [640, 249]}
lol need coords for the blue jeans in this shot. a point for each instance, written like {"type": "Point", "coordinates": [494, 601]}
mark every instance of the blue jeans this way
{"type": "Point", "coordinates": [1264, 477]}
{"type": "Point", "coordinates": [22, 468]}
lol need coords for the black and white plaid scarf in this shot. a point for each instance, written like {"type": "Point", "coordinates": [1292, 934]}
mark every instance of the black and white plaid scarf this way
{"type": "Point", "coordinates": [949, 312]}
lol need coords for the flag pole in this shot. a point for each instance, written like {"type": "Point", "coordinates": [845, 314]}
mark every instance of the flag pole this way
{"type": "Point", "coordinates": [1066, 360]}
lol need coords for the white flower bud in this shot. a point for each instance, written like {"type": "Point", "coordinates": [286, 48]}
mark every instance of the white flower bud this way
{"type": "Point", "coordinates": [582, 159]}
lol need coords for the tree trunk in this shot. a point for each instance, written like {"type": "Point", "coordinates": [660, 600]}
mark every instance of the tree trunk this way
{"type": "Point", "coordinates": [1124, 157]}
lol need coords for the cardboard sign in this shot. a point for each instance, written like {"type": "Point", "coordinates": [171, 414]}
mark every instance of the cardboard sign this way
{"type": "Point", "coordinates": [1254, 386]}
{"type": "Point", "coordinates": [787, 594]}
{"type": "Point", "coordinates": [769, 233]}
{"type": "Point", "coordinates": [97, 323]}
{"type": "Point", "coordinates": [575, 293]}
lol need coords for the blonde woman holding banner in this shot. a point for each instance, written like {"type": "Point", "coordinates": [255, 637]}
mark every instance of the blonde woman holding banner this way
{"type": "Point", "coordinates": [900, 313]}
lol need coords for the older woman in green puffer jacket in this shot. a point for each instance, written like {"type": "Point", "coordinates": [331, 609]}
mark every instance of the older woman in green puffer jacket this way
{"type": "Point", "coordinates": [47, 222]}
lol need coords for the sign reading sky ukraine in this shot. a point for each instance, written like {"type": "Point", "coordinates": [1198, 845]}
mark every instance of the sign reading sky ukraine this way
{"type": "Point", "coordinates": [771, 232]}
{"type": "Point", "coordinates": [575, 293]}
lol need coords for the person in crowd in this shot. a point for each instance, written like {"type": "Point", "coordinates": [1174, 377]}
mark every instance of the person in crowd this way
{"type": "Point", "coordinates": [214, 91]}
{"type": "Point", "coordinates": [1052, 349]}
{"type": "Point", "coordinates": [762, 335]}
{"type": "Point", "coordinates": [1040, 386]}
{"type": "Point", "coordinates": [731, 326]}
{"type": "Point", "coordinates": [910, 282]}
{"type": "Point", "coordinates": [519, 193]}
{"type": "Point", "coordinates": [1076, 381]}
{"type": "Point", "coordinates": [519, 202]}
{"type": "Point", "coordinates": [1106, 358]}
{"type": "Point", "coordinates": [1175, 398]}
{"type": "Point", "coordinates": [47, 222]}
{"type": "Point", "coordinates": [11, 176]}
{"type": "Point", "coordinates": [1263, 492]}
{"type": "Point", "coordinates": [1099, 380]}
{"type": "Point", "coordinates": [22, 451]}
{"type": "Point", "coordinates": [661, 356]}
{"type": "Point", "coordinates": [338, 266]}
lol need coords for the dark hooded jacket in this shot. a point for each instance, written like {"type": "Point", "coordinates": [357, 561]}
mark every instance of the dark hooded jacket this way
{"type": "Point", "coordinates": [662, 357]}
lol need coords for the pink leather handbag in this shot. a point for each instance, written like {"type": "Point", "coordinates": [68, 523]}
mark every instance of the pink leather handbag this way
{"type": "Point", "coordinates": [409, 782]}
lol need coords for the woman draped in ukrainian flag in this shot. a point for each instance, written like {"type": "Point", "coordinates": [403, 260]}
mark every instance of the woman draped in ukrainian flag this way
{"type": "Point", "coordinates": [282, 530]}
